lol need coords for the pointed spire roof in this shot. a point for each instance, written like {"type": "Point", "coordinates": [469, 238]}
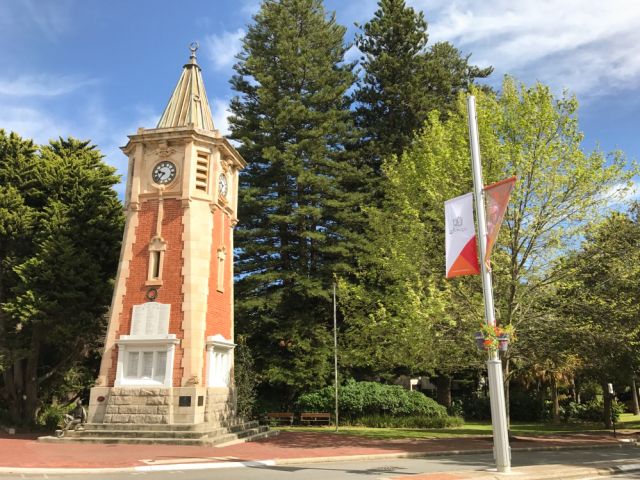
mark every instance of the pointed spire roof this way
{"type": "Point", "coordinates": [188, 105]}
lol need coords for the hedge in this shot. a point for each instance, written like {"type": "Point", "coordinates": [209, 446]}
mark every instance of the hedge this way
{"type": "Point", "coordinates": [371, 399]}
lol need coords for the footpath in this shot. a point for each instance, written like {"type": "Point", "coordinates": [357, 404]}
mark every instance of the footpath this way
{"type": "Point", "coordinates": [24, 454]}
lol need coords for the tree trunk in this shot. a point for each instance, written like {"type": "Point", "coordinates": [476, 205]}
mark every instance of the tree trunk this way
{"type": "Point", "coordinates": [541, 395]}
{"type": "Point", "coordinates": [443, 390]}
{"type": "Point", "coordinates": [607, 406]}
{"type": "Point", "coordinates": [13, 391]}
{"type": "Point", "coordinates": [555, 401]}
{"type": "Point", "coordinates": [634, 395]}
{"type": "Point", "coordinates": [21, 385]}
{"type": "Point", "coordinates": [31, 399]}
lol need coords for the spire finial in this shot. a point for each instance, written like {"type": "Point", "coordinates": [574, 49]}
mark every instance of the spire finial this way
{"type": "Point", "coordinates": [193, 47]}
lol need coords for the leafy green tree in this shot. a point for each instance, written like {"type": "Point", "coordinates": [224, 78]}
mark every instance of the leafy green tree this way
{"type": "Point", "coordinates": [401, 315]}
{"type": "Point", "coordinates": [61, 226]}
{"type": "Point", "coordinates": [560, 189]}
{"type": "Point", "coordinates": [292, 119]}
{"type": "Point", "coordinates": [525, 132]}
{"type": "Point", "coordinates": [403, 80]}
{"type": "Point", "coordinates": [599, 297]}
{"type": "Point", "coordinates": [245, 379]}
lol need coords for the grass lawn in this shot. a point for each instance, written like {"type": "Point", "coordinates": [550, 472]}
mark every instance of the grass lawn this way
{"type": "Point", "coordinates": [627, 420]}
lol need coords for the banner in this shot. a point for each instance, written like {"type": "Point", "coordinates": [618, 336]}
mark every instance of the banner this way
{"type": "Point", "coordinates": [497, 198]}
{"type": "Point", "coordinates": [460, 237]}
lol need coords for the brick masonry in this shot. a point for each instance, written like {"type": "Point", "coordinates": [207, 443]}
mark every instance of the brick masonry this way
{"type": "Point", "coordinates": [171, 290]}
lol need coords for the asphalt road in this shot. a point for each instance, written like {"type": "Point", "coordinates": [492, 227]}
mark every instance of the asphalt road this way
{"type": "Point", "coordinates": [374, 470]}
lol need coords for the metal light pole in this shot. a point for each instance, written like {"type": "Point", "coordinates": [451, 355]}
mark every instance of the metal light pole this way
{"type": "Point", "coordinates": [501, 450]}
{"type": "Point", "coordinates": [335, 350]}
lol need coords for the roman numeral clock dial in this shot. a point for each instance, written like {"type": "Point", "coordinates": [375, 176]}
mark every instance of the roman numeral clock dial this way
{"type": "Point", "coordinates": [164, 173]}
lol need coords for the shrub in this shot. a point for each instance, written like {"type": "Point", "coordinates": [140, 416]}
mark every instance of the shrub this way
{"type": "Point", "coordinates": [524, 407]}
{"type": "Point", "coordinates": [370, 399]}
{"type": "Point", "coordinates": [592, 411]}
{"type": "Point", "coordinates": [476, 408]}
{"type": "Point", "coordinates": [388, 421]}
{"type": "Point", "coordinates": [50, 416]}
{"type": "Point", "coordinates": [245, 379]}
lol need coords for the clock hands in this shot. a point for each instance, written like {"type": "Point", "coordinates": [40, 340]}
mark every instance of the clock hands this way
{"type": "Point", "coordinates": [165, 172]}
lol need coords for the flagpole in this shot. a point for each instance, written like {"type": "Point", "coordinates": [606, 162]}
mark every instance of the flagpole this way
{"type": "Point", "coordinates": [501, 449]}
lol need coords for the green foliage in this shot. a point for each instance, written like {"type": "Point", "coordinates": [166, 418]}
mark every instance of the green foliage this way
{"type": "Point", "coordinates": [245, 379]}
{"type": "Point", "coordinates": [527, 407]}
{"type": "Point", "coordinates": [403, 80]}
{"type": "Point", "coordinates": [293, 120]}
{"type": "Point", "coordinates": [363, 399]}
{"type": "Point", "coordinates": [475, 408]}
{"type": "Point", "coordinates": [417, 421]}
{"type": "Point", "coordinates": [591, 411]}
{"type": "Point", "coordinates": [51, 416]}
{"type": "Point", "coordinates": [60, 231]}
{"type": "Point", "coordinates": [599, 298]}
{"type": "Point", "coordinates": [400, 312]}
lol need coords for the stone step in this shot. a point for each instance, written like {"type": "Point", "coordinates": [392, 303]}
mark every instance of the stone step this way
{"type": "Point", "coordinates": [147, 433]}
{"type": "Point", "coordinates": [165, 433]}
{"type": "Point", "coordinates": [163, 427]}
{"type": "Point", "coordinates": [242, 436]}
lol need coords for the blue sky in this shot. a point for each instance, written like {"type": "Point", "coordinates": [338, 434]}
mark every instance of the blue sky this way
{"type": "Point", "coordinates": [100, 69]}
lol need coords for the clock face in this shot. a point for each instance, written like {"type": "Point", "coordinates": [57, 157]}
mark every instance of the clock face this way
{"type": "Point", "coordinates": [164, 173]}
{"type": "Point", "coordinates": [222, 185]}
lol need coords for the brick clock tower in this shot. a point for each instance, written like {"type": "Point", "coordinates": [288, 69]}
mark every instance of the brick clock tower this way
{"type": "Point", "coordinates": [168, 356]}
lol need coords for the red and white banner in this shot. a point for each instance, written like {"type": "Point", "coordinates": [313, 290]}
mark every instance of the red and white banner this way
{"type": "Point", "coordinates": [497, 197]}
{"type": "Point", "coordinates": [460, 237]}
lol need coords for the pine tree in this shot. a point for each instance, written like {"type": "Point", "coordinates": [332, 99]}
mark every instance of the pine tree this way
{"type": "Point", "coordinates": [403, 81]}
{"type": "Point", "coordinates": [293, 121]}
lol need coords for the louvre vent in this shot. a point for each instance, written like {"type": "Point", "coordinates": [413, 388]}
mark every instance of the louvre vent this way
{"type": "Point", "coordinates": [202, 172]}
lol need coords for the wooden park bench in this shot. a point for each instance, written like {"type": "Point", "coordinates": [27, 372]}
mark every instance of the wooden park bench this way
{"type": "Point", "coordinates": [280, 418]}
{"type": "Point", "coordinates": [315, 418]}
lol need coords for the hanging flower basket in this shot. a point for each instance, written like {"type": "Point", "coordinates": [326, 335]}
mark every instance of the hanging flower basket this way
{"type": "Point", "coordinates": [494, 338]}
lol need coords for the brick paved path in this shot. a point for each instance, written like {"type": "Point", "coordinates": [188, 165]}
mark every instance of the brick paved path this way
{"type": "Point", "coordinates": [26, 451]}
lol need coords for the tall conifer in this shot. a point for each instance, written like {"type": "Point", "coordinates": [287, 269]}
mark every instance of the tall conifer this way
{"type": "Point", "coordinates": [403, 80]}
{"type": "Point", "coordinates": [292, 119]}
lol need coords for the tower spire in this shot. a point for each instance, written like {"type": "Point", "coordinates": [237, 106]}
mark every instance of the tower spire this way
{"type": "Point", "coordinates": [188, 105]}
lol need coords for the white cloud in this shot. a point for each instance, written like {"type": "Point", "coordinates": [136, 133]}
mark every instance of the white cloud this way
{"type": "Point", "coordinates": [34, 123]}
{"type": "Point", "coordinates": [50, 18]}
{"type": "Point", "coordinates": [111, 139]}
{"type": "Point", "coordinates": [353, 54]}
{"type": "Point", "coordinates": [222, 49]}
{"type": "Point", "coordinates": [220, 112]}
{"type": "Point", "coordinates": [251, 7]}
{"type": "Point", "coordinates": [623, 193]}
{"type": "Point", "coordinates": [41, 85]}
{"type": "Point", "coordinates": [94, 122]}
{"type": "Point", "coordinates": [588, 46]}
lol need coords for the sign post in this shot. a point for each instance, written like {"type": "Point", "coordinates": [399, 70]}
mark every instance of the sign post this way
{"type": "Point", "coordinates": [501, 450]}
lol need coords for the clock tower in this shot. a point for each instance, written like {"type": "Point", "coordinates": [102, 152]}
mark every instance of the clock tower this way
{"type": "Point", "coordinates": [168, 355]}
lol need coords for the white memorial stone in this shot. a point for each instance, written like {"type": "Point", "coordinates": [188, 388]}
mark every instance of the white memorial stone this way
{"type": "Point", "coordinates": [150, 319]}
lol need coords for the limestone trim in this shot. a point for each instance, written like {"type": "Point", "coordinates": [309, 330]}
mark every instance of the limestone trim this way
{"type": "Point", "coordinates": [126, 255]}
{"type": "Point", "coordinates": [219, 361]}
{"type": "Point", "coordinates": [222, 255]}
{"type": "Point", "coordinates": [156, 345]}
{"type": "Point", "coordinates": [196, 256]}
{"type": "Point", "coordinates": [188, 134]}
